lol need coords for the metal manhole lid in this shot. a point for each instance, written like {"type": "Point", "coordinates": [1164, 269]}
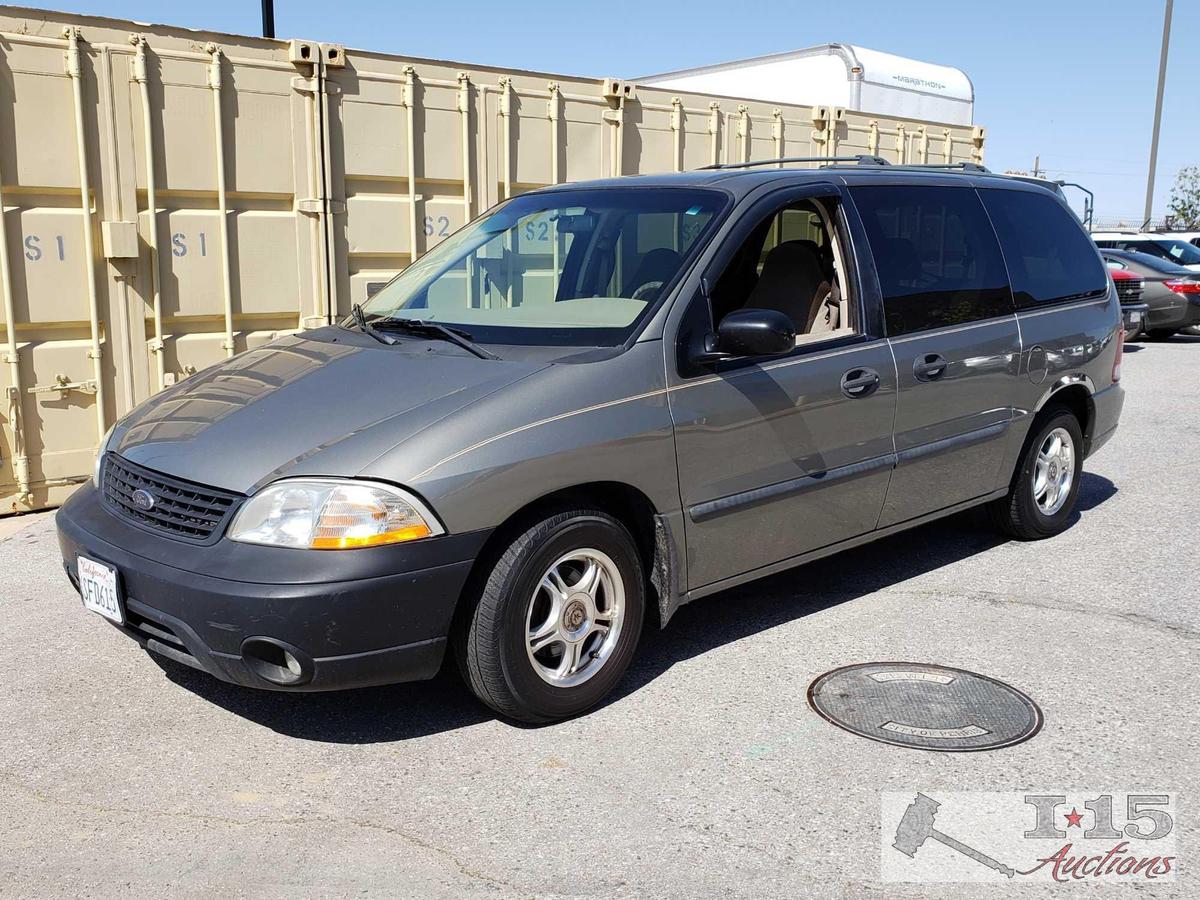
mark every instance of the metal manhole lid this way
{"type": "Point", "coordinates": [925, 706]}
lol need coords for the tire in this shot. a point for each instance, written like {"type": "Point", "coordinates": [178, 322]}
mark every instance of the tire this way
{"type": "Point", "coordinates": [519, 596]}
{"type": "Point", "coordinates": [1019, 514]}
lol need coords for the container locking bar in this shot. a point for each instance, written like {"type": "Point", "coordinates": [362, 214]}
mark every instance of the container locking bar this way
{"type": "Point", "coordinates": [64, 385]}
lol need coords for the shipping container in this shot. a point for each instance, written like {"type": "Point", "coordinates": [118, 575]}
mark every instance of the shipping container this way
{"type": "Point", "coordinates": [171, 197]}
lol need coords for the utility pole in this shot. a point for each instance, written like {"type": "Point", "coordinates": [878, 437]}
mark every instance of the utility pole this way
{"type": "Point", "coordinates": [1037, 165]}
{"type": "Point", "coordinates": [268, 18]}
{"type": "Point", "coordinates": [1162, 80]}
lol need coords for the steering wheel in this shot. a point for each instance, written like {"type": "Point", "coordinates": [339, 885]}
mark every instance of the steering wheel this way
{"type": "Point", "coordinates": [647, 291]}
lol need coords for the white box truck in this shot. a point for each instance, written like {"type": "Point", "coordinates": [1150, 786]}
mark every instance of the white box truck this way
{"type": "Point", "coordinates": [837, 75]}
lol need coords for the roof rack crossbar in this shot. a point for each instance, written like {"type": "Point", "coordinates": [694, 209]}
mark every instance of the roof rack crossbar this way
{"type": "Point", "coordinates": [860, 159]}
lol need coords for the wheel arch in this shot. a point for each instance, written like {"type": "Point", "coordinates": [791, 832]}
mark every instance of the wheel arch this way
{"type": "Point", "coordinates": [1074, 392]}
{"type": "Point", "coordinates": [651, 530]}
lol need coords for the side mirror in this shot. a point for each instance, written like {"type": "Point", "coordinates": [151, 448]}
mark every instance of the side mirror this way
{"type": "Point", "coordinates": [750, 332]}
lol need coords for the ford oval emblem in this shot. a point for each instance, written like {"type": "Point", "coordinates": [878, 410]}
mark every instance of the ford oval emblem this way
{"type": "Point", "coordinates": [143, 500]}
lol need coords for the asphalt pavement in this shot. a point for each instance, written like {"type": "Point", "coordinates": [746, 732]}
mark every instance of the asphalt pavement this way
{"type": "Point", "coordinates": [706, 774]}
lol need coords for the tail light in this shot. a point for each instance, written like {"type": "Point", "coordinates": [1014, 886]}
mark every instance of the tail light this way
{"type": "Point", "coordinates": [1116, 373]}
{"type": "Point", "coordinates": [1183, 286]}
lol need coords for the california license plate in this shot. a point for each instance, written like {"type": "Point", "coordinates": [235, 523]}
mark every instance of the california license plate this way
{"type": "Point", "coordinates": [98, 587]}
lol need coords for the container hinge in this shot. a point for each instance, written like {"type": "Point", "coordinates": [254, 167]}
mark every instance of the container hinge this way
{"type": "Point", "coordinates": [315, 207]}
{"type": "Point", "coordinates": [62, 385]}
{"type": "Point", "coordinates": [314, 85]}
{"type": "Point", "coordinates": [172, 378]}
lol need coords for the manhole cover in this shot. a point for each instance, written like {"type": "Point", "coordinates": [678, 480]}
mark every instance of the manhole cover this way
{"type": "Point", "coordinates": [924, 706]}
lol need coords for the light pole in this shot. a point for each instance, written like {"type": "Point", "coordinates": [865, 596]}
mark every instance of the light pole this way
{"type": "Point", "coordinates": [268, 18]}
{"type": "Point", "coordinates": [1162, 80]}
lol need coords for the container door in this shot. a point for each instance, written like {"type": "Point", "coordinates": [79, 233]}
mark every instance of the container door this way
{"type": "Point", "coordinates": [64, 342]}
{"type": "Point", "coordinates": [107, 302]}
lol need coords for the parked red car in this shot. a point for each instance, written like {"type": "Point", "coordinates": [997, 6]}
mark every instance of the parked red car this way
{"type": "Point", "coordinates": [1133, 310]}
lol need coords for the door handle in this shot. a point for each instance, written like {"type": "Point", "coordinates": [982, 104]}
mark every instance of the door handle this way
{"type": "Point", "coordinates": [929, 367]}
{"type": "Point", "coordinates": [860, 383]}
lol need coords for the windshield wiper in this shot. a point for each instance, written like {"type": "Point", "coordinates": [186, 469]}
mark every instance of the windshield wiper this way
{"type": "Point", "coordinates": [360, 319]}
{"type": "Point", "coordinates": [436, 329]}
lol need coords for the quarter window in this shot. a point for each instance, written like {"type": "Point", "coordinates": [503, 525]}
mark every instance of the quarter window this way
{"type": "Point", "coordinates": [936, 256]}
{"type": "Point", "coordinates": [1050, 258]}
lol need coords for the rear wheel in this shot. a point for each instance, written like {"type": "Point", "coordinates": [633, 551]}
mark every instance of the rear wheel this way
{"type": "Point", "coordinates": [557, 620]}
{"type": "Point", "coordinates": [1042, 495]}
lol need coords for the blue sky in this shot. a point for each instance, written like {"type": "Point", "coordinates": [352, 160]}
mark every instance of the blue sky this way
{"type": "Point", "coordinates": [1072, 81]}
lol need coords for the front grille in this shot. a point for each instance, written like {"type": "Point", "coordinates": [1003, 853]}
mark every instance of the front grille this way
{"type": "Point", "coordinates": [1130, 291]}
{"type": "Point", "coordinates": [181, 509]}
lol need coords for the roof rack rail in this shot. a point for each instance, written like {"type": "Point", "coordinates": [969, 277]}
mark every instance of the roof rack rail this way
{"type": "Point", "coordinates": [860, 159]}
{"type": "Point", "coordinates": [957, 166]}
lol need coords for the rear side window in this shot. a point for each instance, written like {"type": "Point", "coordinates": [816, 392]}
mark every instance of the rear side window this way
{"type": "Point", "coordinates": [1049, 256]}
{"type": "Point", "coordinates": [936, 256]}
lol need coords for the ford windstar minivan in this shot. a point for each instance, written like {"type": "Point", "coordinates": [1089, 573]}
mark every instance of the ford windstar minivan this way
{"type": "Point", "coordinates": [598, 402]}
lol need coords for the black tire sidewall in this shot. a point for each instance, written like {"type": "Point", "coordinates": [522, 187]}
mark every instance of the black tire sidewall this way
{"type": "Point", "coordinates": [1028, 507]}
{"type": "Point", "coordinates": [543, 700]}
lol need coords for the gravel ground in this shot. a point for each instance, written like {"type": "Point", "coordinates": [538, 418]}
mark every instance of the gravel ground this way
{"type": "Point", "coordinates": [706, 774]}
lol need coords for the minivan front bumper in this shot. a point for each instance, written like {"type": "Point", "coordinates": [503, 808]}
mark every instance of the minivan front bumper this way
{"type": "Point", "coordinates": [347, 619]}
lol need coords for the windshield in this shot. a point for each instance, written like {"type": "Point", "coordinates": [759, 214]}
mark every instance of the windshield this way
{"type": "Point", "coordinates": [571, 267]}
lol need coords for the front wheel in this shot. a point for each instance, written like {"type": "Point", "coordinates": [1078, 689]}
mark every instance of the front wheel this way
{"type": "Point", "coordinates": [1042, 495]}
{"type": "Point", "coordinates": [557, 620]}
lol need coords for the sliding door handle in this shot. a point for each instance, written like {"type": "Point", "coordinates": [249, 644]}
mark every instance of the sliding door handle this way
{"type": "Point", "coordinates": [929, 367]}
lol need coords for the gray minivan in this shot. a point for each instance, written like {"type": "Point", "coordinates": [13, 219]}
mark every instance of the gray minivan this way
{"type": "Point", "coordinates": [598, 402]}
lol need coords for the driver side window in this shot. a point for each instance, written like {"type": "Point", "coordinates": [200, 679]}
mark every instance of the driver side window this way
{"type": "Point", "coordinates": [791, 263]}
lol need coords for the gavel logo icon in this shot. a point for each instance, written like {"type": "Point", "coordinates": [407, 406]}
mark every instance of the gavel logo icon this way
{"type": "Point", "coordinates": [916, 826]}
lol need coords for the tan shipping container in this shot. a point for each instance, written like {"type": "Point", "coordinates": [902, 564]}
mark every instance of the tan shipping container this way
{"type": "Point", "coordinates": [172, 197]}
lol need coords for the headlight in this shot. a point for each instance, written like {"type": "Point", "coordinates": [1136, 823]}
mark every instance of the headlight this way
{"type": "Point", "coordinates": [332, 514]}
{"type": "Point", "coordinates": [100, 456]}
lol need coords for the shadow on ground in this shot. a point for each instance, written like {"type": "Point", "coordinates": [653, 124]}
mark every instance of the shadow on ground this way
{"type": "Point", "coordinates": [400, 712]}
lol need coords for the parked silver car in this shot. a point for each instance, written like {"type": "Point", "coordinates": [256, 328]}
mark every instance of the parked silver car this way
{"type": "Point", "coordinates": [1171, 292]}
{"type": "Point", "coordinates": [598, 402]}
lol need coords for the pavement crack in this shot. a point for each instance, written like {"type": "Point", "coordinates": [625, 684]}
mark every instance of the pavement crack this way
{"type": "Point", "coordinates": [465, 870]}
{"type": "Point", "coordinates": [1130, 618]}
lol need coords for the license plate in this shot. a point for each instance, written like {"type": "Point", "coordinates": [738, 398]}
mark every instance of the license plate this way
{"type": "Point", "coordinates": [98, 587]}
{"type": "Point", "coordinates": [1135, 317]}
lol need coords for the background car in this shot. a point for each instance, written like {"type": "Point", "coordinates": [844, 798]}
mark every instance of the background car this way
{"type": "Point", "coordinates": [1171, 292]}
{"type": "Point", "coordinates": [1170, 249]}
{"type": "Point", "coordinates": [1192, 237]}
{"type": "Point", "coordinates": [1133, 310]}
